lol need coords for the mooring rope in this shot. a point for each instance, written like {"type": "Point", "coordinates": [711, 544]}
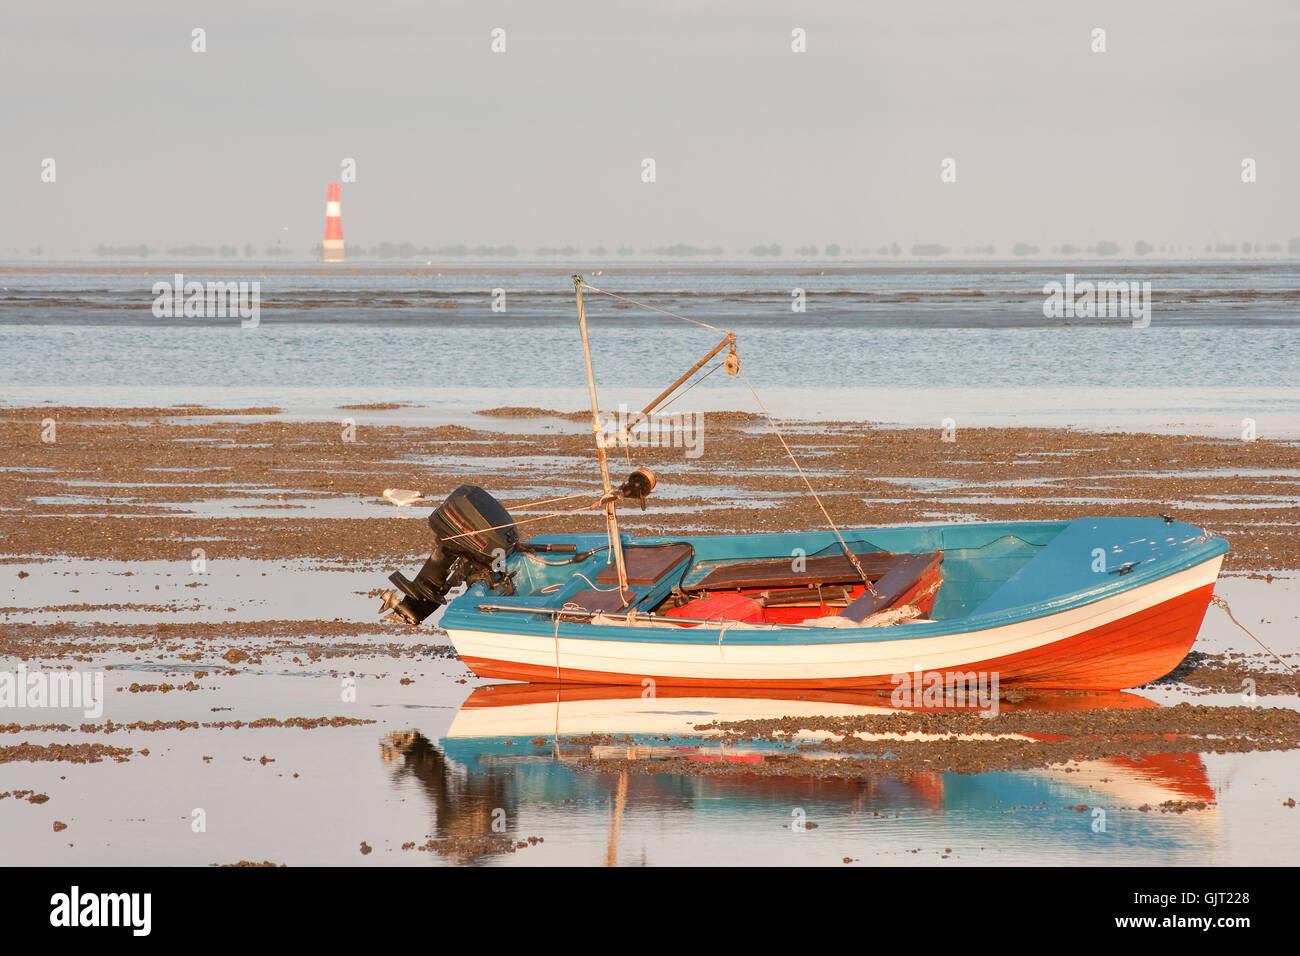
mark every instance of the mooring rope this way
{"type": "Point", "coordinates": [1222, 604]}
{"type": "Point", "coordinates": [557, 648]}
{"type": "Point", "coordinates": [568, 606]}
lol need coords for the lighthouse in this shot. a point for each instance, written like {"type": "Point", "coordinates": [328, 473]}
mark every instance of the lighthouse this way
{"type": "Point", "coordinates": [333, 226]}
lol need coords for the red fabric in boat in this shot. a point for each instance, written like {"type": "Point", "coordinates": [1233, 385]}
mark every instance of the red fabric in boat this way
{"type": "Point", "coordinates": [724, 606]}
{"type": "Point", "coordinates": [797, 614]}
{"type": "Point", "coordinates": [740, 605]}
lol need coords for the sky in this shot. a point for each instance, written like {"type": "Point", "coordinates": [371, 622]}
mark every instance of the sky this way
{"type": "Point", "coordinates": [543, 144]}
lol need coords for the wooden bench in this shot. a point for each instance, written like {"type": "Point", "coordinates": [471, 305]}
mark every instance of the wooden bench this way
{"type": "Point", "coordinates": [780, 573]}
{"type": "Point", "coordinates": [912, 576]}
{"type": "Point", "coordinates": [646, 563]}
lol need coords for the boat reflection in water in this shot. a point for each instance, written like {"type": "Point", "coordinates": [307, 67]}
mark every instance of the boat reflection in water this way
{"type": "Point", "coordinates": [524, 759]}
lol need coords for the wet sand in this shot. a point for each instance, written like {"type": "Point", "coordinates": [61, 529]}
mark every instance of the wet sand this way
{"type": "Point", "coordinates": [148, 484]}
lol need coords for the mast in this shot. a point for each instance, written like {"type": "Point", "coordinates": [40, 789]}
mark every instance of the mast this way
{"type": "Point", "coordinates": [611, 518]}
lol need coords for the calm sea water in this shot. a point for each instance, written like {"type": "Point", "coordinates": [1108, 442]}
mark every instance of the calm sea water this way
{"type": "Point", "coordinates": [907, 345]}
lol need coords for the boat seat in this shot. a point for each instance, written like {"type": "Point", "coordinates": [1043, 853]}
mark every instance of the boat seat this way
{"type": "Point", "coordinates": [779, 572]}
{"type": "Point", "coordinates": [646, 563]}
{"type": "Point", "coordinates": [908, 578]}
{"type": "Point", "coordinates": [591, 600]}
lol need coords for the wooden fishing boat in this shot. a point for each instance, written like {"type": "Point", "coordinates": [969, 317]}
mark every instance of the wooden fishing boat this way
{"type": "Point", "coordinates": [1099, 603]}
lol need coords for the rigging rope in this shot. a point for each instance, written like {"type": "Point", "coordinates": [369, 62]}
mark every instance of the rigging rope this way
{"type": "Point", "coordinates": [546, 501]}
{"type": "Point", "coordinates": [654, 308]}
{"type": "Point", "coordinates": [689, 387]}
{"type": "Point", "coordinates": [553, 514]}
{"type": "Point", "coordinates": [853, 558]}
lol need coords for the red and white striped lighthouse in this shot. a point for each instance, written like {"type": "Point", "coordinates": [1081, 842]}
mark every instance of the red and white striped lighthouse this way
{"type": "Point", "coordinates": [333, 226]}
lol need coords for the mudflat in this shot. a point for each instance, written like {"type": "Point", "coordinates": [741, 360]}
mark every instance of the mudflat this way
{"type": "Point", "coordinates": [146, 484]}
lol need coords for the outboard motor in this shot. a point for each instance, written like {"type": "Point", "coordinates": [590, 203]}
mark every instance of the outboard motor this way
{"type": "Point", "coordinates": [473, 534]}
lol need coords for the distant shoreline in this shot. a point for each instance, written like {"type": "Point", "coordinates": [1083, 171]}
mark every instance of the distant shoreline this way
{"type": "Point", "coordinates": [634, 266]}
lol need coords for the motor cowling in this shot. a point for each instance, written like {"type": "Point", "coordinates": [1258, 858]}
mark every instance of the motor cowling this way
{"type": "Point", "coordinates": [473, 535]}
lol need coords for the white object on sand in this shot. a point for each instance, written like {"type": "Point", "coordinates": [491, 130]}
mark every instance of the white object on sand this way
{"type": "Point", "coordinates": [402, 496]}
